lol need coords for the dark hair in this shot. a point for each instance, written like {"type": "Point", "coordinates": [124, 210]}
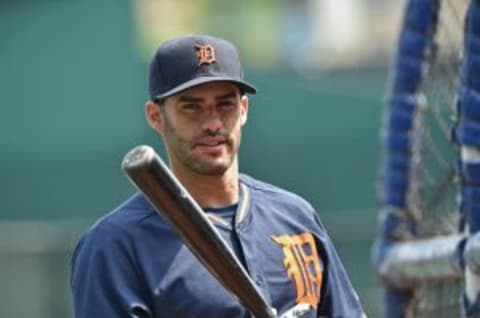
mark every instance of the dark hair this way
{"type": "Point", "coordinates": [160, 102]}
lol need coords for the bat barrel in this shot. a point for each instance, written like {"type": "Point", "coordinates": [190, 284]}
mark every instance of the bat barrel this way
{"type": "Point", "coordinates": [151, 175]}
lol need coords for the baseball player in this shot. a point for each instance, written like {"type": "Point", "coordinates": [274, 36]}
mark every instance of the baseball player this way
{"type": "Point", "coordinates": [132, 264]}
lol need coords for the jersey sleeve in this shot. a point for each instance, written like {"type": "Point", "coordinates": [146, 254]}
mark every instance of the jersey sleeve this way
{"type": "Point", "coordinates": [104, 278]}
{"type": "Point", "coordinates": [339, 298]}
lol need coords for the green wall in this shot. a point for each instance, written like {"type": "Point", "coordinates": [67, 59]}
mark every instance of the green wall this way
{"type": "Point", "coordinates": [70, 87]}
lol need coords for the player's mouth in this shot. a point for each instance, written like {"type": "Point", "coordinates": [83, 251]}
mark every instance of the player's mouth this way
{"type": "Point", "coordinates": [212, 145]}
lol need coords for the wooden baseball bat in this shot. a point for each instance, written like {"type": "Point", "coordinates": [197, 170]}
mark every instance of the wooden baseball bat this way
{"type": "Point", "coordinates": [171, 200]}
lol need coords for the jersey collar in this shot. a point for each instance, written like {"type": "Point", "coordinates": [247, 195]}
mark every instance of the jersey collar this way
{"type": "Point", "coordinates": [241, 212]}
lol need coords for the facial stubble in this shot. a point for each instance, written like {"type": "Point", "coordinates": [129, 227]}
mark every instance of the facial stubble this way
{"type": "Point", "coordinates": [183, 149]}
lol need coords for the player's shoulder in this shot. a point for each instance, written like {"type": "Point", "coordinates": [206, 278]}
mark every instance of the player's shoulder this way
{"type": "Point", "coordinates": [122, 220]}
{"type": "Point", "coordinates": [266, 191]}
{"type": "Point", "coordinates": [114, 235]}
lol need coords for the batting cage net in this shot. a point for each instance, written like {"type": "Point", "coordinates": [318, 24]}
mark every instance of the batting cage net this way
{"type": "Point", "coordinates": [427, 190]}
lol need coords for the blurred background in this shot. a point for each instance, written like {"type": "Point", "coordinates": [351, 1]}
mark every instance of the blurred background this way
{"type": "Point", "coordinates": [72, 90]}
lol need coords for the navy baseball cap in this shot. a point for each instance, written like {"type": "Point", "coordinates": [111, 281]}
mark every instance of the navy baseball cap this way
{"type": "Point", "coordinates": [188, 61]}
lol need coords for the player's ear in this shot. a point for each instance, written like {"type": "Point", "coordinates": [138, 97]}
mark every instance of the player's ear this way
{"type": "Point", "coordinates": [153, 114]}
{"type": "Point", "coordinates": [244, 109]}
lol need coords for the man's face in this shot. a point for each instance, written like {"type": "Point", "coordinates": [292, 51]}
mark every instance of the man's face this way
{"type": "Point", "coordinates": [201, 127]}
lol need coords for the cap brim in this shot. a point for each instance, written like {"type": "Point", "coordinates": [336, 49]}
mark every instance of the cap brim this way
{"type": "Point", "coordinates": [244, 86]}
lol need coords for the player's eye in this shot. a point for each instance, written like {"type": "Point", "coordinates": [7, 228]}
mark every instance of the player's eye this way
{"type": "Point", "coordinates": [226, 105]}
{"type": "Point", "coordinates": [190, 108]}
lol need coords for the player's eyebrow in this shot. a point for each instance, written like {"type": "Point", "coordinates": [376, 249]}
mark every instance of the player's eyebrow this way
{"type": "Point", "coordinates": [190, 99]}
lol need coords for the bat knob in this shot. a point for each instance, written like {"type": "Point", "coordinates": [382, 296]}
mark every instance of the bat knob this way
{"type": "Point", "coordinates": [297, 311]}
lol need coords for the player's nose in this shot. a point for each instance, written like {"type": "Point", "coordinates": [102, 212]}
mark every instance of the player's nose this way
{"type": "Point", "coordinates": [212, 121]}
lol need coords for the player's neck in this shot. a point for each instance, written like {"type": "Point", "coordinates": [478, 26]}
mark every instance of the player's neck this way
{"type": "Point", "coordinates": [211, 191]}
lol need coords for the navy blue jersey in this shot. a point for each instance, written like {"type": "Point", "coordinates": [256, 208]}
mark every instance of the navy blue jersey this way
{"type": "Point", "coordinates": [132, 264]}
